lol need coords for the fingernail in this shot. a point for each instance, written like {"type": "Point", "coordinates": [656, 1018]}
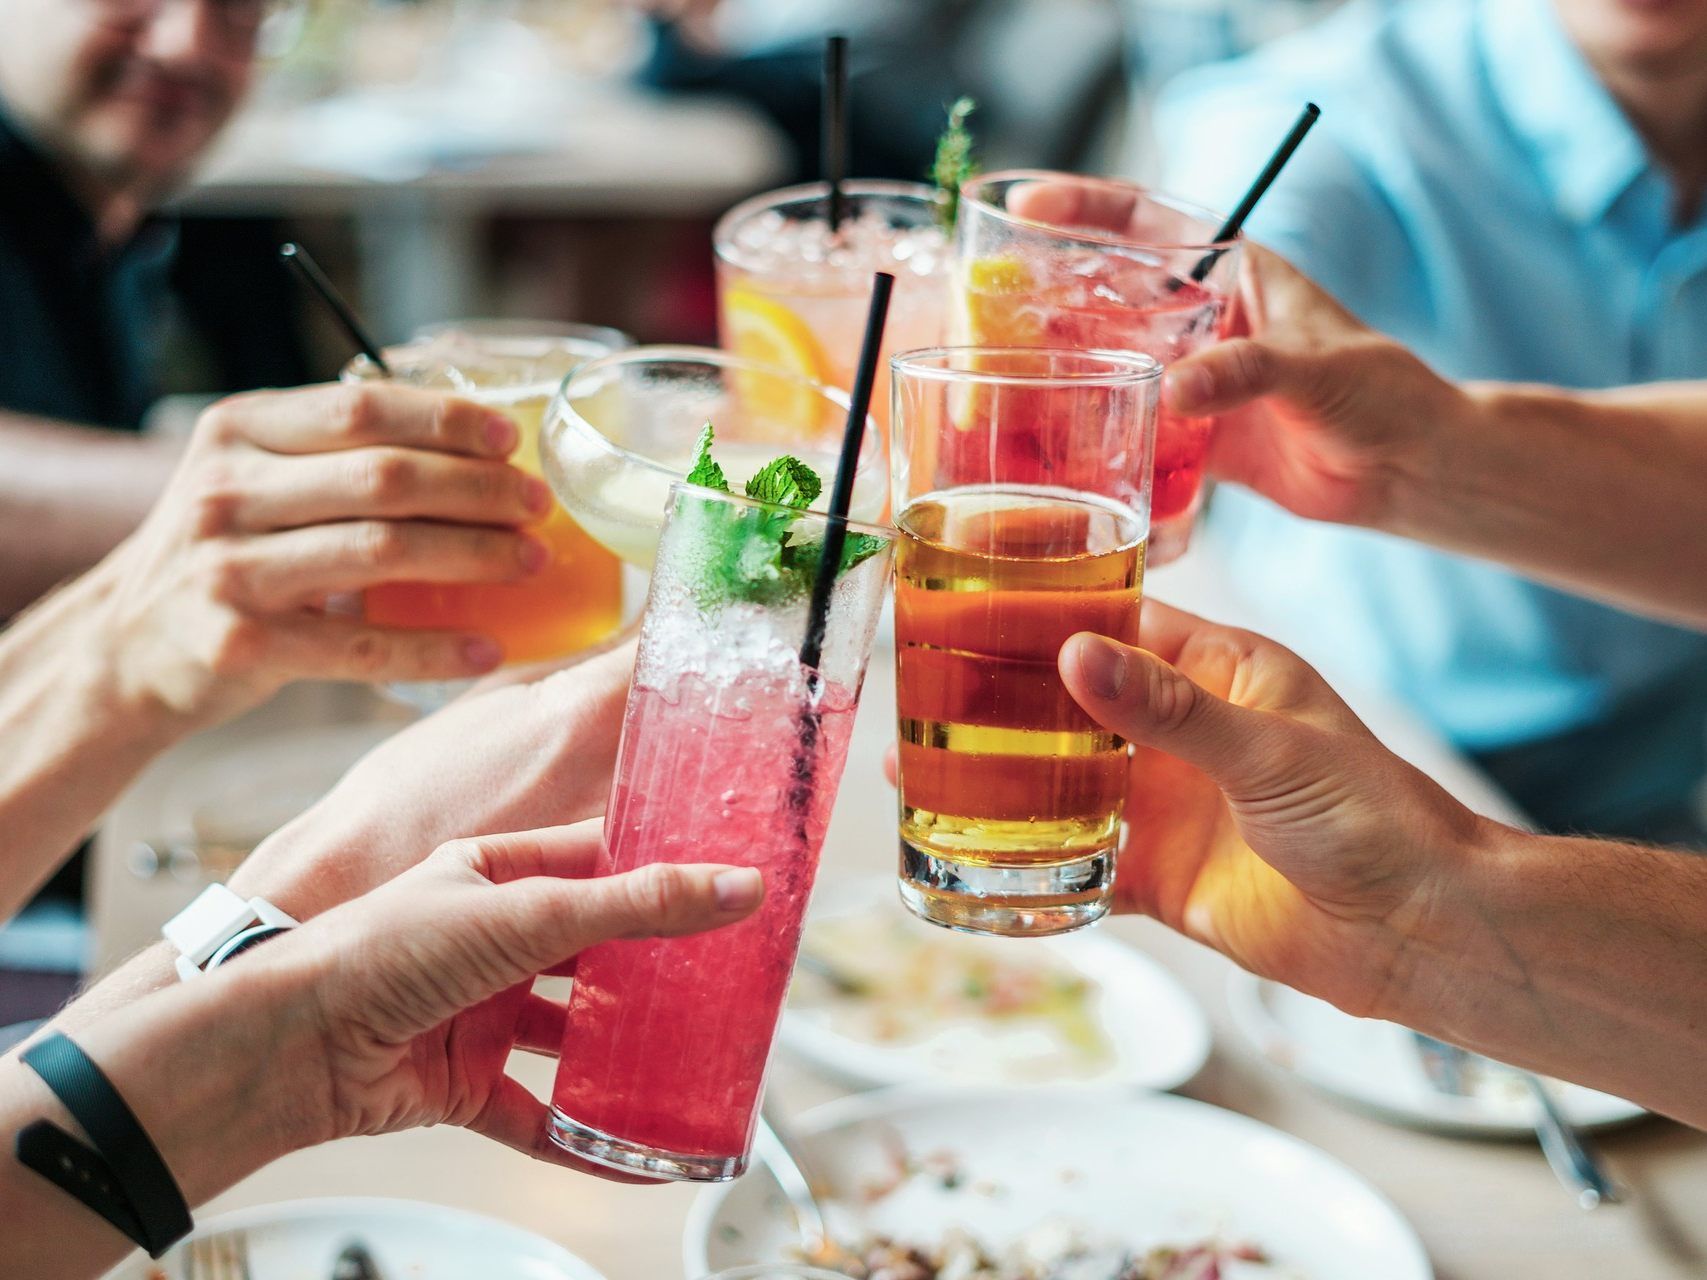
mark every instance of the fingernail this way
{"type": "Point", "coordinates": [737, 890]}
{"type": "Point", "coordinates": [1103, 666]}
{"type": "Point", "coordinates": [501, 434]}
{"type": "Point", "coordinates": [1186, 387]}
{"type": "Point", "coordinates": [536, 496]}
{"type": "Point", "coordinates": [481, 654]}
{"type": "Point", "coordinates": [533, 554]}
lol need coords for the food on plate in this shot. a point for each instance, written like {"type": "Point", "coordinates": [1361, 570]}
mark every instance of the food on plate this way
{"type": "Point", "coordinates": [1054, 1250]}
{"type": "Point", "coordinates": [1020, 1013]}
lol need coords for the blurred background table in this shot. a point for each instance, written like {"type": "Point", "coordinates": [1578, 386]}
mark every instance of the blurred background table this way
{"type": "Point", "coordinates": [1485, 1210]}
{"type": "Point", "coordinates": [423, 174]}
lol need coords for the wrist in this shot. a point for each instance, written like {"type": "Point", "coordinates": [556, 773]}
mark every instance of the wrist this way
{"type": "Point", "coordinates": [107, 670]}
{"type": "Point", "coordinates": [221, 1072]}
{"type": "Point", "coordinates": [1435, 473]}
{"type": "Point", "coordinates": [1451, 944]}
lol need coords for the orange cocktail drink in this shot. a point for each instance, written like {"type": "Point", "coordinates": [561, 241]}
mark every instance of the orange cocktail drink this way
{"type": "Point", "coordinates": [576, 600]}
{"type": "Point", "coordinates": [1010, 795]}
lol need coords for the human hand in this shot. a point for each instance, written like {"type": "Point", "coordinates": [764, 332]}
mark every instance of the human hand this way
{"type": "Point", "coordinates": [407, 1002]}
{"type": "Point", "coordinates": [1313, 410]}
{"type": "Point", "coordinates": [286, 498]}
{"type": "Point", "coordinates": [509, 758]}
{"type": "Point", "coordinates": [1263, 818]}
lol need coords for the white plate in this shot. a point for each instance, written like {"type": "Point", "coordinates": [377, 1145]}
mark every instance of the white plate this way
{"type": "Point", "coordinates": [300, 1239]}
{"type": "Point", "coordinates": [1128, 1167]}
{"type": "Point", "coordinates": [1157, 1035]}
{"type": "Point", "coordinates": [1374, 1065]}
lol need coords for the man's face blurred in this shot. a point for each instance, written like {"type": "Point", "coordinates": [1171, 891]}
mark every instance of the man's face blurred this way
{"type": "Point", "coordinates": [1653, 36]}
{"type": "Point", "coordinates": [131, 93]}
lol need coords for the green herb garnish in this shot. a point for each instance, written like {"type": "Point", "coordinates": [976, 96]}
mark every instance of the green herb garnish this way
{"type": "Point", "coordinates": [747, 554]}
{"type": "Point", "coordinates": [706, 473]}
{"type": "Point", "coordinates": [955, 160]}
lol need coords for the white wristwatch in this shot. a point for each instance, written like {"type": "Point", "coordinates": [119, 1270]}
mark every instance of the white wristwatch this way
{"type": "Point", "coordinates": [219, 925]}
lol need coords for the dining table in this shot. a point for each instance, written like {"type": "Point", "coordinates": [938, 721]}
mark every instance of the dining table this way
{"type": "Point", "coordinates": [1484, 1209]}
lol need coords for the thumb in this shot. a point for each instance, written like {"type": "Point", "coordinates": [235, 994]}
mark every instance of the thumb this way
{"type": "Point", "coordinates": [448, 938]}
{"type": "Point", "coordinates": [547, 920]}
{"type": "Point", "coordinates": [1146, 701]}
{"type": "Point", "coordinates": [1231, 374]}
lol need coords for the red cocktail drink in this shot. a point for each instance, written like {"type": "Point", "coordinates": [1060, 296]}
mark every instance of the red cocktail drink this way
{"type": "Point", "coordinates": [731, 753]}
{"type": "Point", "coordinates": [1054, 260]}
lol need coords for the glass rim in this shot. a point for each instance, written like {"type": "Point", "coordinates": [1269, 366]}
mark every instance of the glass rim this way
{"type": "Point", "coordinates": [892, 188]}
{"type": "Point", "coordinates": [1124, 368]}
{"type": "Point", "coordinates": [888, 533]}
{"type": "Point", "coordinates": [603, 339]}
{"type": "Point", "coordinates": [522, 329]}
{"type": "Point", "coordinates": [970, 192]}
{"type": "Point", "coordinates": [674, 354]}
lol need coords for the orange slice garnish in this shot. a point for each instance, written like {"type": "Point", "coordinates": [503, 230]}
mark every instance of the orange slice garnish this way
{"type": "Point", "coordinates": [763, 330]}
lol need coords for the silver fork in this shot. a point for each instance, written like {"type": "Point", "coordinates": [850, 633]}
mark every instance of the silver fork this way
{"type": "Point", "coordinates": [1570, 1155]}
{"type": "Point", "coordinates": [221, 1257]}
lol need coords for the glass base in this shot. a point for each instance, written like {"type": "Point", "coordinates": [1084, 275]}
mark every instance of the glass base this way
{"type": "Point", "coordinates": [1010, 902]}
{"type": "Point", "coordinates": [636, 1157]}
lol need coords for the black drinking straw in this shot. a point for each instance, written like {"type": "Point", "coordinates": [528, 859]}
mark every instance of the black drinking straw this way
{"type": "Point", "coordinates": [841, 493]}
{"type": "Point", "coordinates": [294, 255]}
{"type": "Point", "coordinates": [833, 130]}
{"type": "Point", "coordinates": [1270, 171]}
{"type": "Point", "coordinates": [835, 538]}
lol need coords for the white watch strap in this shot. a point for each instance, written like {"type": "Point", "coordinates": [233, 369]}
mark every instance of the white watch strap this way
{"type": "Point", "coordinates": [216, 917]}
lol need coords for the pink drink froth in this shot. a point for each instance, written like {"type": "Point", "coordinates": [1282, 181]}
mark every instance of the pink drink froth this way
{"type": "Point", "coordinates": [667, 1039]}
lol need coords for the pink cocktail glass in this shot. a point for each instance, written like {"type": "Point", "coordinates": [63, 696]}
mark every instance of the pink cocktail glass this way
{"type": "Point", "coordinates": [731, 753]}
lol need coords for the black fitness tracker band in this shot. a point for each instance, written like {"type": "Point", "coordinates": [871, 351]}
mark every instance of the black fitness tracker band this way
{"type": "Point", "coordinates": [123, 1177]}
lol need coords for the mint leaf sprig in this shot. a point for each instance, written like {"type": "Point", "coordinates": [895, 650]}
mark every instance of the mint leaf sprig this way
{"type": "Point", "coordinates": [748, 554]}
{"type": "Point", "coordinates": [955, 161]}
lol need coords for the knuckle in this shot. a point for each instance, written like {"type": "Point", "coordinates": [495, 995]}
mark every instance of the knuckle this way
{"type": "Point", "coordinates": [467, 851]}
{"type": "Point", "coordinates": [1249, 366]}
{"type": "Point", "coordinates": [368, 653]}
{"type": "Point", "coordinates": [660, 892]}
{"type": "Point", "coordinates": [215, 503]}
{"type": "Point", "coordinates": [221, 423]}
{"type": "Point", "coordinates": [1172, 700]}
{"type": "Point", "coordinates": [228, 576]}
{"type": "Point", "coordinates": [239, 645]}
{"type": "Point", "coordinates": [356, 412]}
{"type": "Point", "coordinates": [383, 544]}
{"type": "Point", "coordinates": [494, 487]}
{"type": "Point", "coordinates": [385, 478]}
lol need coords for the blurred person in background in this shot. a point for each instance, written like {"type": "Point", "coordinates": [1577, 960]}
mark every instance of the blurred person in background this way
{"type": "Point", "coordinates": [1045, 74]}
{"type": "Point", "coordinates": [1515, 190]}
{"type": "Point", "coordinates": [105, 108]}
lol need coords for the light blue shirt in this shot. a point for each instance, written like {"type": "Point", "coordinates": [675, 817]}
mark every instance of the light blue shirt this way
{"type": "Point", "coordinates": [1473, 191]}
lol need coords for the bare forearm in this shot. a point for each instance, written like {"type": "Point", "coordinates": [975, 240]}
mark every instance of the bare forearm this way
{"type": "Point", "coordinates": [73, 739]}
{"type": "Point", "coordinates": [203, 1067]}
{"type": "Point", "coordinates": [69, 495]}
{"type": "Point", "coordinates": [1583, 959]}
{"type": "Point", "coordinates": [1604, 494]}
